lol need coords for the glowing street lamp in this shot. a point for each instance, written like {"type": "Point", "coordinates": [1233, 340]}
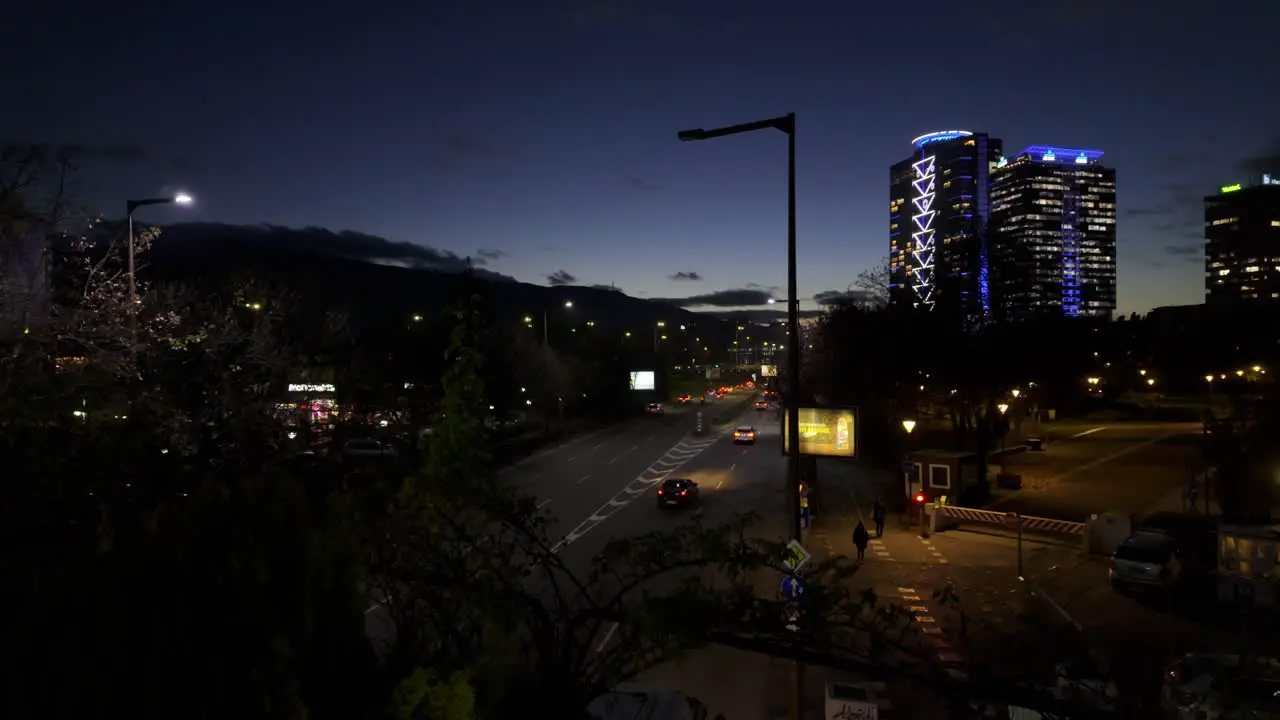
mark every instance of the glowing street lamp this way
{"type": "Point", "coordinates": [908, 425]}
{"type": "Point", "coordinates": [1093, 380]}
{"type": "Point", "coordinates": [1208, 379]}
{"type": "Point", "coordinates": [1151, 381]}
{"type": "Point", "coordinates": [1015, 393]}
{"type": "Point", "coordinates": [1003, 408]}
{"type": "Point", "coordinates": [130, 206]}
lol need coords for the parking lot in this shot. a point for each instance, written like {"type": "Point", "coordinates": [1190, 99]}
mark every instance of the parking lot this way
{"type": "Point", "coordinates": [1117, 467]}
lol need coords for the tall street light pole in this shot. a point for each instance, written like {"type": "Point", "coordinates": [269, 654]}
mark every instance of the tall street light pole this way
{"type": "Point", "coordinates": [130, 207]}
{"type": "Point", "coordinates": [545, 343]}
{"type": "Point", "coordinates": [787, 124]}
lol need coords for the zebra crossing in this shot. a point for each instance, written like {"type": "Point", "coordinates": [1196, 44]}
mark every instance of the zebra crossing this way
{"type": "Point", "coordinates": [924, 615]}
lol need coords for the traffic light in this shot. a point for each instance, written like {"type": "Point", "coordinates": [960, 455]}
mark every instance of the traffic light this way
{"type": "Point", "coordinates": [919, 498]}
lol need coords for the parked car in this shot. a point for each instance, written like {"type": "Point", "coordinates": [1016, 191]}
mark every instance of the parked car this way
{"type": "Point", "coordinates": [368, 448]}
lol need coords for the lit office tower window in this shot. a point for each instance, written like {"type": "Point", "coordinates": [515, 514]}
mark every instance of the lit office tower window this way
{"type": "Point", "coordinates": [938, 206]}
{"type": "Point", "coordinates": [1242, 244]}
{"type": "Point", "coordinates": [1052, 235]}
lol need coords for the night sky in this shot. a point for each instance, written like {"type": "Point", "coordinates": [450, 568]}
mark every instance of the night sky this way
{"type": "Point", "coordinates": [539, 135]}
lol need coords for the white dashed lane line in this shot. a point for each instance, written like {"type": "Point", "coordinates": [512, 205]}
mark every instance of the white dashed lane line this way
{"type": "Point", "coordinates": [676, 457]}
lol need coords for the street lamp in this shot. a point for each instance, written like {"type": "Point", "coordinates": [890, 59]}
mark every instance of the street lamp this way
{"type": "Point", "coordinates": [545, 343]}
{"type": "Point", "coordinates": [130, 206]}
{"type": "Point", "coordinates": [908, 425]}
{"type": "Point", "coordinates": [1003, 408]}
{"type": "Point", "coordinates": [786, 124]}
{"type": "Point", "coordinates": [1015, 393]}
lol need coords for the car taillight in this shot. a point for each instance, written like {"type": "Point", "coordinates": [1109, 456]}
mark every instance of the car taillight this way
{"type": "Point", "coordinates": [659, 491]}
{"type": "Point", "coordinates": [684, 492]}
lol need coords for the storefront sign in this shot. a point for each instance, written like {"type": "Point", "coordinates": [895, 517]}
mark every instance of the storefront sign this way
{"type": "Point", "coordinates": [305, 387]}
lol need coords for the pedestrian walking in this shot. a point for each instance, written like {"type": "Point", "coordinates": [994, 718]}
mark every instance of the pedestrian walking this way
{"type": "Point", "coordinates": [860, 539]}
{"type": "Point", "coordinates": [877, 515]}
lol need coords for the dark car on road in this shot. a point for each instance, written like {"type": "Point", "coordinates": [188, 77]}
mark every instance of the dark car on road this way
{"type": "Point", "coordinates": [762, 404]}
{"type": "Point", "coordinates": [745, 435]}
{"type": "Point", "coordinates": [677, 492]}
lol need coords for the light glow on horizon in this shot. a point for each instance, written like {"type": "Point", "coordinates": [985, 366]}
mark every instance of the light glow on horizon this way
{"type": "Point", "coordinates": [922, 246]}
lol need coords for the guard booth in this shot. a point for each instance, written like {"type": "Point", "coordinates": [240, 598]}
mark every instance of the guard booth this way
{"type": "Point", "coordinates": [940, 472]}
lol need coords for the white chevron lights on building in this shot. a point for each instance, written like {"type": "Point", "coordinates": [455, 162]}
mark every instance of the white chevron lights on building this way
{"type": "Point", "coordinates": [922, 245]}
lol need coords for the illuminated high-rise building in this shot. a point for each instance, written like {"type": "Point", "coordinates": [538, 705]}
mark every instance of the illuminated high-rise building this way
{"type": "Point", "coordinates": [938, 208]}
{"type": "Point", "coordinates": [1052, 235]}
{"type": "Point", "coordinates": [1242, 244]}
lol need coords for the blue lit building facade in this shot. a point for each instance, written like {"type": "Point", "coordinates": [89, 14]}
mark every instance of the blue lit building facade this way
{"type": "Point", "coordinates": [938, 215]}
{"type": "Point", "coordinates": [1052, 235]}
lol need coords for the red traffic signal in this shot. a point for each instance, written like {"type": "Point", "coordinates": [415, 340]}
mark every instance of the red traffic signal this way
{"type": "Point", "coordinates": [919, 498]}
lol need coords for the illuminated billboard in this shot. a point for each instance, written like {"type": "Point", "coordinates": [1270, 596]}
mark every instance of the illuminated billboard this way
{"type": "Point", "coordinates": [1231, 188]}
{"type": "Point", "coordinates": [768, 371]}
{"type": "Point", "coordinates": [642, 380]}
{"type": "Point", "coordinates": [829, 432]}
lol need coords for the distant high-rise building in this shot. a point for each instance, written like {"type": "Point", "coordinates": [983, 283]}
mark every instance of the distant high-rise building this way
{"type": "Point", "coordinates": [1242, 243]}
{"type": "Point", "coordinates": [938, 207]}
{"type": "Point", "coordinates": [1052, 235]}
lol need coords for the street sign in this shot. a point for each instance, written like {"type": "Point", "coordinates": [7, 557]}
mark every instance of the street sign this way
{"type": "Point", "coordinates": [792, 587]}
{"type": "Point", "coordinates": [795, 556]}
{"type": "Point", "coordinates": [791, 617]}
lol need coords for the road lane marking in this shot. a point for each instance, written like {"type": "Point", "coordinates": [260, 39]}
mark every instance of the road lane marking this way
{"type": "Point", "coordinates": [612, 461]}
{"type": "Point", "coordinates": [637, 486]}
{"type": "Point", "coordinates": [1087, 432]}
{"type": "Point", "coordinates": [544, 503]}
{"type": "Point", "coordinates": [607, 636]}
{"type": "Point", "coordinates": [596, 446]}
{"type": "Point", "coordinates": [633, 448]}
{"type": "Point", "coordinates": [719, 484]}
{"type": "Point", "coordinates": [572, 458]}
{"type": "Point", "coordinates": [1117, 454]}
{"type": "Point", "coordinates": [584, 477]}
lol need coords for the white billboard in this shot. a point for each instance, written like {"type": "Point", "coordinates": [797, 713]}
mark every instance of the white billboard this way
{"type": "Point", "coordinates": [642, 380]}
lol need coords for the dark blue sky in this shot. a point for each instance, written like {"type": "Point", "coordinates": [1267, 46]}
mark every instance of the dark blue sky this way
{"type": "Point", "coordinates": [544, 130]}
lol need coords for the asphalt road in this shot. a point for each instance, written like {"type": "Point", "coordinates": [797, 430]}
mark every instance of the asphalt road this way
{"type": "Point", "coordinates": [602, 485]}
{"type": "Point", "coordinates": [1119, 467]}
{"type": "Point", "coordinates": [733, 479]}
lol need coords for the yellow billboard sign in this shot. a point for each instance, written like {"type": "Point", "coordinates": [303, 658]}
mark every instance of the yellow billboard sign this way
{"type": "Point", "coordinates": [830, 432]}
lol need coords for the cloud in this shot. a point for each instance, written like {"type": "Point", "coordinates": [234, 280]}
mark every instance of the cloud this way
{"type": "Point", "coordinates": [840, 297]}
{"type": "Point", "coordinates": [1266, 160]}
{"type": "Point", "coordinates": [560, 277]}
{"type": "Point", "coordinates": [488, 255]}
{"type": "Point", "coordinates": [771, 289]}
{"type": "Point", "coordinates": [741, 297]}
{"type": "Point", "coordinates": [456, 150]}
{"type": "Point", "coordinates": [642, 185]}
{"type": "Point", "coordinates": [347, 244]}
{"type": "Point", "coordinates": [610, 288]}
{"type": "Point", "coordinates": [689, 275]}
{"type": "Point", "coordinates": [1190, 252]}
